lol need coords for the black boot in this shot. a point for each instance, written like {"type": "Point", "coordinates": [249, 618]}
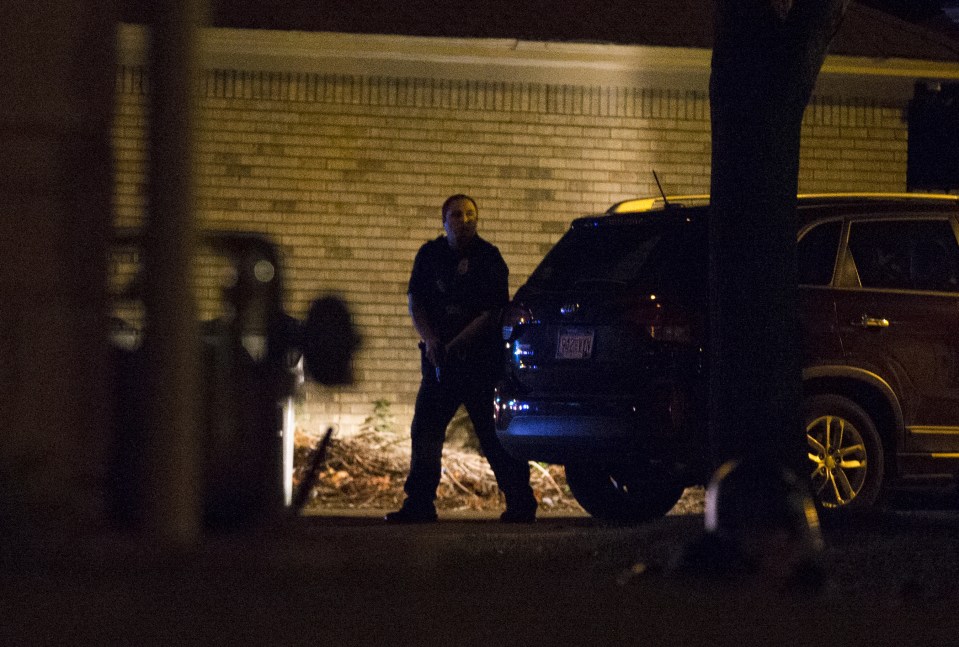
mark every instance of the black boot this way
{"type": "Point", "coordinates": [518, 515]}
{"type": "Point", "coordinates": [520, 509]}
{"type": "Point", "coordinates": [412, 513]}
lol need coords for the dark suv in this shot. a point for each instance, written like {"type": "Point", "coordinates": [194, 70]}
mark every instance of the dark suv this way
{"type": "Point", "coordinates": [606, 371]}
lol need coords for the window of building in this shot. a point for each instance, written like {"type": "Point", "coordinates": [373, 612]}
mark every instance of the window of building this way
{"type": "Point", "coordinates": [933, 149]}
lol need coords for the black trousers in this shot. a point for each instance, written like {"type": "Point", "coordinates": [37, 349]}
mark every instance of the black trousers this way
{"type": "Point", "coordinates": [436, 404]}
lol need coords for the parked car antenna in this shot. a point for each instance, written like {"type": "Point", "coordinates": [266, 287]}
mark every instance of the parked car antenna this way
{"type": "Point", "coordinates": [661, 192]}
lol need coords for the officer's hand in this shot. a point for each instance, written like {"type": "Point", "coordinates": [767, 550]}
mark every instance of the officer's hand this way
{"type": "Point", "coordinates": [435, 352]}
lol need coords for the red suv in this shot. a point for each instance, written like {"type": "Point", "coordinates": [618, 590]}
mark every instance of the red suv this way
{"type": "Point", "coordinates": [606, 369]}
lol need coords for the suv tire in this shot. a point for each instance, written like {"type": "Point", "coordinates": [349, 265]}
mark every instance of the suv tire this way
{"type": "Point", "coordinates": [622, 493]}
{"type": "Point", "coordinates": [845, 451]}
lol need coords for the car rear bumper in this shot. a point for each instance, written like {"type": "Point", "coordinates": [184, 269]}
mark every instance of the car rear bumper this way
{"type": "Point", "coordinates": [568, 432]}
{"type": "Point", "coordinates": [561, 440]}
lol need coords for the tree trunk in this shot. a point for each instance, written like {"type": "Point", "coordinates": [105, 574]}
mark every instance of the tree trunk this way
{"type": "Point", "coordinates": [766, 57]}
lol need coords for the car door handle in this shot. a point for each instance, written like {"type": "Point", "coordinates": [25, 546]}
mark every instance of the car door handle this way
{"type": "Point", "coordinates": [871, 322]}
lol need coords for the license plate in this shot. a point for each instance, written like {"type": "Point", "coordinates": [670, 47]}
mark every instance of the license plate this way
{"type": "Point", "coordinates": [574, 343]}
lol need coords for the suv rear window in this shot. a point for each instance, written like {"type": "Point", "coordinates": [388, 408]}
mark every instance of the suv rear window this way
{"type": "Point", "coordinates": [652, 256]}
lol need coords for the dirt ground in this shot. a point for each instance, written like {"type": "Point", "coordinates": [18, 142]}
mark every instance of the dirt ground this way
{"type": "Point", "coordinates": [367, 472]}
{"type": "Point", "coordinates": [889, 579]}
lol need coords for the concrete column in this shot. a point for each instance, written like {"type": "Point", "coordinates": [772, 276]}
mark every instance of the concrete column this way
{"type": "Point", "coordinates": [172, 340]}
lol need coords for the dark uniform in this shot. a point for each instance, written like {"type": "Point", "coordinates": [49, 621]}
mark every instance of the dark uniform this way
{"type": "Point", "coordinates": [454, 288]}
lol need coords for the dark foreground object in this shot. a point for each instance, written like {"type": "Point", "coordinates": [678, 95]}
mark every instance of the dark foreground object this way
{"type": "Point", "coordinates": [890, 579]}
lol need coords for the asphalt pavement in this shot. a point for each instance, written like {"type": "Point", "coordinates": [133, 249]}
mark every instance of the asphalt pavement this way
{"type": "Point", "coordinates": [887, 578]}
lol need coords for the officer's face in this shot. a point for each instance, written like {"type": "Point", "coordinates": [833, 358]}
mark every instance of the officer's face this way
{"type": "Point", "coordinates": [459, 222]}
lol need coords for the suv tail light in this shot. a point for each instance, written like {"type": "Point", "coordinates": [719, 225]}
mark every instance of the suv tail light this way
{"type": "Point", "coordinates": [663, 322]}
{"type": "Point", "coordinates": [515, 315]}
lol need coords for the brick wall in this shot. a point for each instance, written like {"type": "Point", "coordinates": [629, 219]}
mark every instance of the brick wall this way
{"type": "Point", "coordinates": [347, 173]}
{"type": "Point", "coordinates": [853, 146]}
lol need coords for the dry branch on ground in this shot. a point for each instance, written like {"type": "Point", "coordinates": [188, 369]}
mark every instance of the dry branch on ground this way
{"type": "Point", "coordinates": [368, 471]}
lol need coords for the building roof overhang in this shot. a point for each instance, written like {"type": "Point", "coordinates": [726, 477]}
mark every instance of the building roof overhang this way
{"type": "Point", "coordinates": [887, 80]}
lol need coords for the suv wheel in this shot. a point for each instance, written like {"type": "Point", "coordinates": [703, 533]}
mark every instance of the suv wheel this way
{"type": "Point", "coordinates": [845, 451]}
{"type": "Point", "coordinates": [622, 493]}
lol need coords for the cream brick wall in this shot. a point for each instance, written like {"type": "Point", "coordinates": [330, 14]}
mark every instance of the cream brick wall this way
{"type": "Point", "coordinates": [347, 173]}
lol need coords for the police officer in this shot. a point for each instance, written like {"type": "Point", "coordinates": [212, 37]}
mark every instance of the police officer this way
{"type": "Point", "coordinates": [457, 289]}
